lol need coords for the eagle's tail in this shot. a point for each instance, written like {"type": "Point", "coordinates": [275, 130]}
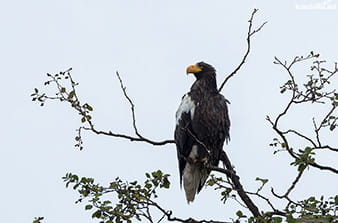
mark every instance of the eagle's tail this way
{"type": "Point", "coordinates": [194, 177]}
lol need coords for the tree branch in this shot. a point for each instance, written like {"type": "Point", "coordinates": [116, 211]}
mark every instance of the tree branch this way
{"type": "Point", "coordinates": [84, 109]}
{"type": "Point", "coordinates": [300, 173]}
{"type": "Point", "coordinates": [248, 40]}
{"type": "Point", "coordinates": [238, 186]}
{"type": "Point", "coordinates": [296, 93]}
{"type": "Point", "coordinates": [169, 216]}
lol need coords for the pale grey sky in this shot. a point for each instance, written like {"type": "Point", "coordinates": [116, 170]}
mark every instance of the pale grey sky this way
{"type": "Point", "coordinates": [150, 43]}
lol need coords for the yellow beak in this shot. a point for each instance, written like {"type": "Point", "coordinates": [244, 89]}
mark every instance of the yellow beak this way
{"type": "Point", "coordinates": [193, 69]}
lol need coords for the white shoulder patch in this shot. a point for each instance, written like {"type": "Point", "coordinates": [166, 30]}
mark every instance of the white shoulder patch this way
{"type": "Point", "coordinates": [187, 105]}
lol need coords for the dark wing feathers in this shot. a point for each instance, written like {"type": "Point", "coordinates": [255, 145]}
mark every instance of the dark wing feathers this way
{"type": "Point", "coordinates": [183, 140]}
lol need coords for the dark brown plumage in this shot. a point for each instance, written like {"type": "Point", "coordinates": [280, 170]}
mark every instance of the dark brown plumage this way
{"type": "Point", "coordinates": [202, 126]}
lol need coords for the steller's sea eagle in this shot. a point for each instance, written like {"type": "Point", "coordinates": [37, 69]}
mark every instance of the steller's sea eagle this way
{"type": "Point", "coordinates": [202, 125]}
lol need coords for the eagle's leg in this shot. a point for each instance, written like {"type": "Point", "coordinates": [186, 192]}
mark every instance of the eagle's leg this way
{"type": "Point", "coordinates": [196, 160]}
{"type": "Point", "coordinates": [203, 160]}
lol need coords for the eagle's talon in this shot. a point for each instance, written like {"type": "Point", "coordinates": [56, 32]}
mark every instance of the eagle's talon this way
{"type": "Point", "coordinates": [203, 160]}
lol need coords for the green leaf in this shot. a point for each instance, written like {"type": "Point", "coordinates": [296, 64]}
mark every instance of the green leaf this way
{"type": "Point", "coordinates": [264, 181]}
{"type": "Point", "coordinates": [71, 95]}
{"type": "Point", "coordinates": [133, 183]}
{"type": "Point", "coordinates": [89, 107]}
{"type": "Point", "coordinates": [301, 167]}
{"type": "Point", "coordinates": [277, 219]}
{"type": "Point", "coordinates": [166, 183]}
{"type": "Point", "coordinates": [211, 182]}
{"type": "Point", "coordinates": [96, 214]}
{"type": "Point", "coordinates": [38, 219]}
{"type": "Point", "coordinates": [157, 174]}
{"type": "Point", "coordinates": [332, 127]}
{"type": "Point", "coordinates": [290, 219]}
{"type": "Point", "coordinates": [88, 207]}
{"type": "Point", "coordinates": [240, 214]}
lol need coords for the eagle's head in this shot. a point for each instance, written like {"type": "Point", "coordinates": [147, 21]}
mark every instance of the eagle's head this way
{"type": "Point", "coordinates": [200, 69]}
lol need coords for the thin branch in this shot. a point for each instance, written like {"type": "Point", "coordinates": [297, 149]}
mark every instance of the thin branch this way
{"type": "Point", "coordinates": [327, 147]}
{"type": "Point", "coordinates": [321, 167]}
{"type": "Point", "coordinates": [301, 135]}
{"type": "Point", "coordinates": [316, 131]}
{"type": "Point", "coordinates": [169, 216]}
{"type": "Point", "coordinates": [228, 173]}
{"type": "Point", "coordinates": [248, 40]}
{"type": "Point", "coordinates": [300, 173]}
{"type": "Point", "coordinates": [322, 122]}
{"type": "Point", "coordinates": [266, 199]}
{"type": "Point", "coordinates": [131, 138]}
{"type": "Point", "coordinates": [132, 106]}
{"type": "Point", "coordinates": [287, 68]}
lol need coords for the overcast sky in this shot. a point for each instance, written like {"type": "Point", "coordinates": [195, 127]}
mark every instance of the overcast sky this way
{"type": "Point", "coordinates": [150, 43]}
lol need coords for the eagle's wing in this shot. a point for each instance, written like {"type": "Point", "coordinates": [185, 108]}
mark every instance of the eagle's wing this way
{"type": "Point", "coordinates": [183, 139]}
{"type": "Point", "coordinates": [224, 114]}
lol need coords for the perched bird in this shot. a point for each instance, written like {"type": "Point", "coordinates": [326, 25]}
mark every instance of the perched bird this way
{"type": "Point", "coordinates": [202, 126]}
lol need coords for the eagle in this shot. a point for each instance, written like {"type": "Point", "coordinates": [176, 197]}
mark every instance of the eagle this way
{"type": "Point", "coordinates": [202, 126]}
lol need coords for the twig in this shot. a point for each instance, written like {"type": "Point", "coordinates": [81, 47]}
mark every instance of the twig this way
{"type": "Point", "coordinates": [132, 106]}
{"type": "Point", "coordinates": [327, 147]}
{"type": "Point", "coordinates": [301, 135]}
{"type": "Point", "coordinates": [131, 138]}
{"type": "Point", "coordinates": [264, 198]}
{"type": "Point", "coordinates": [300, 173]}
{"type": "Point", "coordinates": [227, 172]}
{"type": "Point", "coordinates": [169, 216]}
{"type": "Point", "coordinates": [248, 40]}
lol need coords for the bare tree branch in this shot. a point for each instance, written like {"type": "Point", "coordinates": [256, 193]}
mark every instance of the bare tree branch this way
{"type": "Point", "coordinates": [132, 106]}
{"type": "Point", "coordinates": [300, 173]}
{"type": "Point", "coordinates": [139, 137]}
{"type": "Point", "coordinates": [300, 135]}
{"type": "Point", "coordinates": [248, 40]}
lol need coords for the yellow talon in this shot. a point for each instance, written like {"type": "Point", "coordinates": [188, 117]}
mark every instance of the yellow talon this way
{"type": "Point", "coordinates": [204, 159]}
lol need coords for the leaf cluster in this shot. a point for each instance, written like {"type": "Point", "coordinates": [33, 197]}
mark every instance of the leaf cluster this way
{"type": "Point", "coordinates": [66, 92]}
{"type": "Point", "coordinates": [314, 210]}
{"type": "Point", "coordinates": [133, 200]}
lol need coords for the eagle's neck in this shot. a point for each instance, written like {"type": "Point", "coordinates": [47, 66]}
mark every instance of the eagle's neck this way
{"type": "Point", "coordinates": [204, 85]}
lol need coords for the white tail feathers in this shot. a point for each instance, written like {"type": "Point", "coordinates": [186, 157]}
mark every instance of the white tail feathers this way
{"type": "Point", "coordinates": [194, 176]}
